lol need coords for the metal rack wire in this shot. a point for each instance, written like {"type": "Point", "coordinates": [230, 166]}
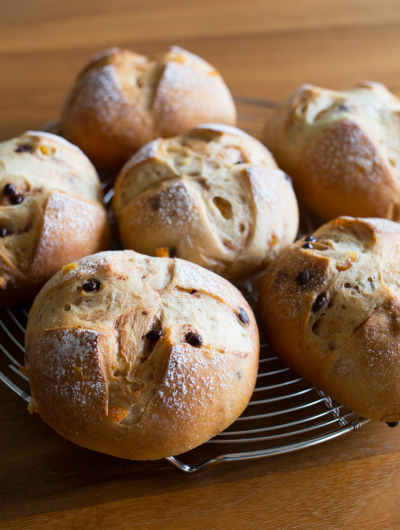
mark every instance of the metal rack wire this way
{"type": "Point", "coordinates": [285, 413]}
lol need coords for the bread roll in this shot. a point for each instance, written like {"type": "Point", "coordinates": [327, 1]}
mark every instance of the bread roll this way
{"type": "Point", "coordinates": [213, 196]}
{"type": "Point", "coordinates": [342, 149]}
{"type": "Point", "coordinates": [140, 357]}
{"type": "Point", "coordinates": [51, 212]}
{"type": "Point", "coordinates": [122, 100]}
{"type": "Point", "coordinates": [330, 308]}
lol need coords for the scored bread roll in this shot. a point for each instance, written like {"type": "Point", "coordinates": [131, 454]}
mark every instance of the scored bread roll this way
{"type": "Point", "coordinates": [122, 100]}
{"type": "Point", "coordinates": [51, 212]}
{"type": "Point", "coordinates": [330, 308]}
{"type": "Point", "coordinates": [341, 148]}
{"type": "Point", "coordinates": [140, 357]}
{"type": "Point", "coordinates": [213, 196]}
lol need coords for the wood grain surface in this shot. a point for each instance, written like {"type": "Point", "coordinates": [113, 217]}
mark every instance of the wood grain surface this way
{"type": "Point", "coordinates": [263, 48]}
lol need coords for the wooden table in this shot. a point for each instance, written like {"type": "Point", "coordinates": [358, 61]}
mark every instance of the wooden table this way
{"type": "Point", "coordinates": [263, 48]}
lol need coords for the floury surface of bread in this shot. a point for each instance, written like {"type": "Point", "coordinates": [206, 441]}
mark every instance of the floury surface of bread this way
{"type": "Point", "coordinates": [213, 196]}
{"type": "Point", "coordinates": [341, 148]}
{"type": "Point", "coordinates": [51, 212]}
{"type": "Point", "coordinates": [140, 357]}
{"type": "Point", "coordinates": [330, 308]}
{"type": "Point", "coordinates": [122, 100]}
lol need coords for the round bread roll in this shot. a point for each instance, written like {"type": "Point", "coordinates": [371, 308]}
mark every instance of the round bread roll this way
{"type": "Point", "coordinates": [140, 357]}
{"type": "Point", "coordinates": [342, 149]}
{"type": "Point", "coordinates": [51, 212]}
{"type": "Point", "coordinates": [122, 100]}
{"type": "Point", "coordinates": [330, 308]}
{"type": "Point", "coordinates": [213, 196]}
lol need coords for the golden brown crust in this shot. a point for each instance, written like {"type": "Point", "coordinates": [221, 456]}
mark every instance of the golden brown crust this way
{"type": "Point", "coordinates": [213, 196]}
{"type": "Point", "coordinates": [60, 218]}
{"type": "Point", "coordinates": [122, 100]}
{"type": "Point", "coordinates": [342, 149]}
{"type": "Point", "coordinates": [97, 378]}
{"type": "Point", "coordinates": [332, 313]}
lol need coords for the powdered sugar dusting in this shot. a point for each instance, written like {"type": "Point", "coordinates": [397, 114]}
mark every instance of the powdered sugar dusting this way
{"type": "Point", "coordinates": [276, 218]}
{"type": "Point", "coordinates": [193, 380]}
{"type": "Point", "coordinates": [346, 155]}
{"type": "Point", "coordinates": [381, 359]}
{"type": "Point", "coordinates": [181, 85]}
{"type": "Point", "coordinates": [177, 200]}
{"type": "Point", "coordinates": [176, 207]}
{"type": "Point", "coordinates": [64, 210]}
{"type": "Point", "coordinates": [171, 81]}
{"type": "Point", "coordinates": [63, 223]}
{"type": "Point", "coordinates": [100, 90]}
{"type": "Point", "coordinates": [70, 363]}
{"type": "Point", "coordinates": [381, 348]}
{"type": "Point", "coordinates": [92, 264]}
{"type": "Point", "coordinates": [267, 192]}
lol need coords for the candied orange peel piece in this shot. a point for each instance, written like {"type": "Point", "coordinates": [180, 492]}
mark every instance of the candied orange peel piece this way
{"type": "Point", "coordinates": [179, 58]}
{"type": "Point", "coordinates": [347, 263]}
{"type": "Point", "coordinates": [116, 413]}
{"type": "Point", "coordinates": [69, 267]}
{"type": "Point", "coordinates": [47, 150]}
{"type": "Point", "coordinates": [162, 252]}
{"type": "Point", "coordinates": [274, 240]}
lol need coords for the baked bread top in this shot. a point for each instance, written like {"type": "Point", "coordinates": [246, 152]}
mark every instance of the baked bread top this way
{"type": "Point", "coordinates": [44, 161]}
{"type": "Point", "coordinates": [51, 211]}
{"type": "Point", "coordinates": [122, 100]}
{"type": "Point", "coordinates": [140, 357]}
{"type": "Point", "coordinates": [330, 308]}
{"type": "Point", "coordinates": [341, 148]}
{"type": "Point", "coordinates": [213, 196]}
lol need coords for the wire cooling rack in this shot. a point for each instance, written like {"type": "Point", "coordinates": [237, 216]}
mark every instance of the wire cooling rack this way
{"type": "Point", "coordinates": [285, 413]}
